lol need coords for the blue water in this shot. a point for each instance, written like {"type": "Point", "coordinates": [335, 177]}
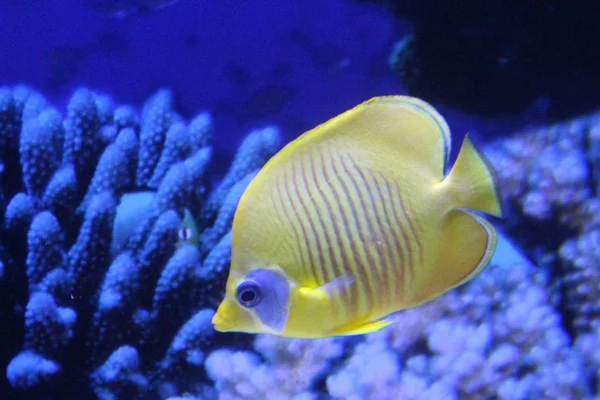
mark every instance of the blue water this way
{"type": "Point", "coordinates": [294, 64]}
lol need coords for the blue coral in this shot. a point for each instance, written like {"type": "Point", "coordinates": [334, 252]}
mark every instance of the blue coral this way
{"type": "Point", "coordinates": [102, 296]}
{"type": "Point", "coordinates": [251, 155]}
{"type": "Point", "coordinates": [82, 141]}
{"type": "Point", "coordinates": [157, 117]}
{"type": "Point", "coordinates": [46, 249]}
{"type": "Point", "coordinates": [112, 172]}
{"type": "Point", "coordinates": [40, 140]}
{"type": "Point", "coordinates": [551, 180]}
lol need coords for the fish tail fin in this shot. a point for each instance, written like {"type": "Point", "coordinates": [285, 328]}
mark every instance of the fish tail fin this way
{"type": "Point", "coordinates": [461, 256]}
{"type": "Point", "coordinates": [473, 181]}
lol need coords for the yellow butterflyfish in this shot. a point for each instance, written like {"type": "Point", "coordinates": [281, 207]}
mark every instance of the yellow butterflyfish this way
{"type": "Point", "coordinates": [356, 220]}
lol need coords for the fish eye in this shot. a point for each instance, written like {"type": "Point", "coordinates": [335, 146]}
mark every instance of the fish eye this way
{"type": "Point", "coordinates": [249, 294]}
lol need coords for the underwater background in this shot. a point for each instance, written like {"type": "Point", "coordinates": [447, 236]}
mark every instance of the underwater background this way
{"type": "Point", "coordinates": [129, 129]}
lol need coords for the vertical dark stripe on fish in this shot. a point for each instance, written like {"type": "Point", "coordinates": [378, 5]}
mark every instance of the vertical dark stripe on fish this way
{"type": "Point", "coordinates": [361, 258]}
{"type": "Point", "coordinates": [336, 254]}
{"type": "Point", "coordinates": [349, 260]}
{"type": "Point", "coordinates": [406, 207]}
{"type": "Point", "coordinates": [415, 225]}
{"type": "Point", "coordinates": [384, 262]}
{"type": "Point", "coordinates": [372, 271]}
{"type": "Point", "coordinates": [402, 221]}
{"type": "Point", "coordinates": [295, 207]}
{"type": "Point", "coordinates": [393, 249]}
{"type": "Point", "coordinates": [311, 225]}
{"type": "Point", "coordinates": [319, 202]}
{"type": "Point", "coordinates": [283, 216]}
{"type": "Point", "coordinates": [402, 244]}
{"type": "Point", "coordinates": [317, 199]}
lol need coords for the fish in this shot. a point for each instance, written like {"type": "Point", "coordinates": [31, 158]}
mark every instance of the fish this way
{"type": "Point", "coordinates": [188, 233]}
{"type": "Point", "coordinates": [356, 220]}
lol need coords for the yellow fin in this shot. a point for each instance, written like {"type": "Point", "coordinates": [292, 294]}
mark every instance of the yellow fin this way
{"type": "Point", "coordinates": [315, 295]}
{"type": "Point", "coordinates": [390, 123]}
{"type": "Point", "coordinates": [362, 328]}
{"type": "Point", "coordinates": [467, 244]}
{"type": "Point", "coordinates": [328, 291]}
{"type": "Point", "coordinates": [473, 181]}
{"type": "Point", "coordinates": [337, 286]}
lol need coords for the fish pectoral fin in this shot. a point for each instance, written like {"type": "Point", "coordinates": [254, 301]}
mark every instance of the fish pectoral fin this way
{"type": "Point", "coordinates": [362, 328]}
{"type": "Point", "coordinates": [467, 244]}
{"type": "Point", "coordinates": [315, 295]}
{"type": "Point", "coordinates": [337, 286]}
{"type": "Point", "coordinates": [324, 293]}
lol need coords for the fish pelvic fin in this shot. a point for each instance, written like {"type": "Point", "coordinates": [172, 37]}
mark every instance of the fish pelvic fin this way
{"type": "Point", "coordinates": [467, 244]}
{"type": "Point", "coordinates": [362, 328]}
{"type": "Point", "coordinates": [473, 182]}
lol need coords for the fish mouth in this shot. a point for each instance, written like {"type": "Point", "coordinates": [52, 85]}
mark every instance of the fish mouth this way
{"type": "Point", "coordinates": [220, 324]}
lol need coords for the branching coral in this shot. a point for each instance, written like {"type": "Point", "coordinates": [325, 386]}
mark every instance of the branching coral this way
{"type": "Point", "coordinates": [581, 258]}
{"type": "Point", "coordinates": [550, 177]}
{"type": "Point", "coordinates": [99, 288]}
{"type": "Point", "coordinates": [547, 172]}
{"type": "Point", "coordinates": [290, 370]}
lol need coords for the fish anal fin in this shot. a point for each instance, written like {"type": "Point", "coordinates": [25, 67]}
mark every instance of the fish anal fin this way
{"type": "Point", "coordinates": [362, 328]}
{"type": "Point", "coordinates": [466, 246]}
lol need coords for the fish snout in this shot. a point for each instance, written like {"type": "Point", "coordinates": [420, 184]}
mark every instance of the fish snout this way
{"type": "Point", "coordinates": [219, 322]}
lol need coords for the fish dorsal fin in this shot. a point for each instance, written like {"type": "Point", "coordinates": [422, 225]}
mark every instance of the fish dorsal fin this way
{"type": "Point", "coordinates": [467, 244]}
{"type": "Point", "coordinates": [387, 128]}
